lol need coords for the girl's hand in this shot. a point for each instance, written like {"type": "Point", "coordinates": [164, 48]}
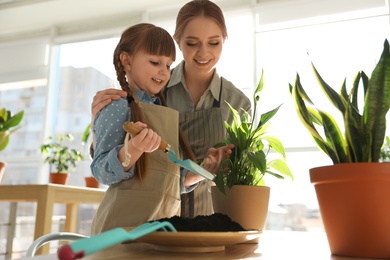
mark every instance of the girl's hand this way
{"type": "Point", "coordinates": [146, 141]}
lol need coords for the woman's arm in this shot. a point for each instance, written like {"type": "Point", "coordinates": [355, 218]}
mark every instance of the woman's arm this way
{"type": "Point", "coordinates": [103, 98]}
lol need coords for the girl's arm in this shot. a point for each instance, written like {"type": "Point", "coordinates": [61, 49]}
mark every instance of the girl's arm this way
{"type": "Point", "coordinates": [106, 166]}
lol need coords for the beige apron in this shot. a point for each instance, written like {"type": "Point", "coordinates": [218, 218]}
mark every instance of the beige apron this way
{"type": "Point", "coordinates": [132, 202]}
{"type": "Point", "coordinates": [203, 128]}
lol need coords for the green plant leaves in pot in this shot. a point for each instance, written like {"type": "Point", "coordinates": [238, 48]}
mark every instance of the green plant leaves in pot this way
{"type": "Point", "coordinates": [364, 123]}
{"type": "Point", "coordinates": [8, 125]}
{"type": "Point", "coordinates": [249, 161]}
{"type": "Point", "coordinates": [59, 155]}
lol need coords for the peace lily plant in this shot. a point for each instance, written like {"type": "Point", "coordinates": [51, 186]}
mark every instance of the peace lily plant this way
{"type": "Point", "coordinates": [249, 163]}
{"type": "Point", "coordinates": [364, 124]}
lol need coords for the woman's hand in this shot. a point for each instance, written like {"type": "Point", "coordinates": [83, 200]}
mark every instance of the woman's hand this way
{"type": "Point", "coordinates": [214, 157]}
{"type": "Point", "coordinates": [211, 163]}
{"type": "Point", "coordinates": [103, 98]}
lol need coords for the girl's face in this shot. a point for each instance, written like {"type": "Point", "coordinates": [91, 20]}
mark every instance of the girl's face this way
{"type": "Point", "coordinates": [148, 72]}
{"type": "Point", "coordinates": [201, 45]}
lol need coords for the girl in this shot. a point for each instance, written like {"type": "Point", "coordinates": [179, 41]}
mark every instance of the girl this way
{"type": "Point", "coordinates": [144, 185]}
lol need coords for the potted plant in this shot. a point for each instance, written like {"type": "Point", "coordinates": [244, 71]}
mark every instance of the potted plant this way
{"type": "Point", "coordinates": [8, 124]}
{"type": "Point", "coordinates": [353, 193]}
{"type": "Point", "coordinates": [242, 173]}
{"type": "Point", "coordinates": [90, 181]}
{"type": "Point", "coordinates": [61, 157]}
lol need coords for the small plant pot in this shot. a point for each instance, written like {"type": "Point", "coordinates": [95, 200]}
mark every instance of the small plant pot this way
{"type": "Point", "coordinates": [2, 170]}
{"type": "Point", "coordinates": [91, 182]}
{"type": "Point", "coordinates": [354, 203]}
{"type": "Point", "coordinates": [59, 178]}
{"type": "Point", "coordinates": [244, 204]}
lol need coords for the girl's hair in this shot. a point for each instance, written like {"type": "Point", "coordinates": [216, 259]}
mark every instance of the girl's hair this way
{"type": "Point", "coordinates": [152, 40]}
{"type": "Point", "coordinates": [142, 37]}
{"type": "Point", "coordinates": [196, 8]}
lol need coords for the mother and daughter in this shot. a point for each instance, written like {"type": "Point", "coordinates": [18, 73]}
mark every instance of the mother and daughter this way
{"type": "Point", "coordinates": [184, 106]}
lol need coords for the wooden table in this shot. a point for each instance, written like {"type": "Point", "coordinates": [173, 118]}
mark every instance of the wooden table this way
{"type": "Point", "coordinates": [45, 195]}
{"type": "Point", "coordinates": [273, 245]}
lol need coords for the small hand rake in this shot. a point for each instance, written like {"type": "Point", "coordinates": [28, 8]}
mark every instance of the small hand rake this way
{"type": "Point", "coordinates": [87, 246]}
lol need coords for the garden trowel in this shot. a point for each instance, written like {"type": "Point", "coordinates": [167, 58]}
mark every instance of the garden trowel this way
{"type": "Point", "coordinates": [134, 129]}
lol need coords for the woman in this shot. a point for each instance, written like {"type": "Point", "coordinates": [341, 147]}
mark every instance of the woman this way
{"type": "Point", "coordinates": [196, 90]}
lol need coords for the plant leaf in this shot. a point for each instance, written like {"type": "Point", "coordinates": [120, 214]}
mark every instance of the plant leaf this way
{"type": "Point", "coordinates": [281, 167]}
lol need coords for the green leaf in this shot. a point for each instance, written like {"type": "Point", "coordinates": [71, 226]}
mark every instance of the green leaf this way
{"type": "Point", "coordinates": [86, 134]}
{"type": "Point", "coordinates": [267, 116]}
{"type": "Point", "coordinates": [276, 145]}
{"type": "Point", "coordinates": [332, 95]}
{"type": "Point", "coordinates": [334, 137]}
{"type": "Point", "coordinates": [8, 125]}
{"type": "Point", "coordinates": [258, 160]}
{"type": "Point", "coordinates": [4, 139]}
{"type": "Point", "coordinates": [281, 167]}
{"type": "Point", "coordinates": [378, 102]}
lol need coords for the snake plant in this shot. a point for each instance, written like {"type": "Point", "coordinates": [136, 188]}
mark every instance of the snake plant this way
{"type": "Point", "coordinates": [8, 124]}
{"type": "Point", "coordinates": [248, 162]}
{"type": "Point", "coordinates": [364, 123]}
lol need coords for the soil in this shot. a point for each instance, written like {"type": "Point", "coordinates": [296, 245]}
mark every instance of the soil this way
{"type": "Point", "coordinates": [216, 222]}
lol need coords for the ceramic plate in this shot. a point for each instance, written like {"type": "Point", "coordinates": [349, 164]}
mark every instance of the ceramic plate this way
{"type": "Point", "coordinates": [197, 241]}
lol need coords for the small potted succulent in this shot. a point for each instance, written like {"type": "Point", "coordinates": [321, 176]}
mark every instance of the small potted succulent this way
{"type": "Point", "coordinates": [243, 172]}
{"type": "Point", "coordinates": [60, 157]}
{"type": "Point", "coordinates": [352, 193]}
{"type": "Point", "coordinates": [8, 124]}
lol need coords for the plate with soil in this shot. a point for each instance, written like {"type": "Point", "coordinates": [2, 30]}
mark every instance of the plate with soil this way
{"type": "Point", "coordinates": [201, 234]}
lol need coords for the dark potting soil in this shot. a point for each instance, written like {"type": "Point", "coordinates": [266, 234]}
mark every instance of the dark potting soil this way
{"type": "Point", "coordinates": [216, 222]}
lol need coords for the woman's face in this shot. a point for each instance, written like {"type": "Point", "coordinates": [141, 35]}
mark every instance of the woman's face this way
{"type": "Point", "coordinates": [201, 45]}
{"type": "Point", "coordinates": [148, 72]}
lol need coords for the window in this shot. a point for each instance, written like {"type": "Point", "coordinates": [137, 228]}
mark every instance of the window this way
{"type": "Point", "coordinates": [339, 48]}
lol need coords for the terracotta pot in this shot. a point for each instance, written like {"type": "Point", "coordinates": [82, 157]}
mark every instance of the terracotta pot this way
{"type": "Point", "coordinates": [247, 205]}
{"type": "Point", "coordinates": [59, 178]}
{"type": "Point", "coordinates": [91, 182]}
{"type": "Point", "coordinates": [2, 170]}
{"type": "Point", "coordinates": [354, 201]}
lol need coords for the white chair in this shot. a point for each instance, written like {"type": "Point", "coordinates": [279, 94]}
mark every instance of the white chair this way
{"type": "Point", "coordinates": [58, 236]}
